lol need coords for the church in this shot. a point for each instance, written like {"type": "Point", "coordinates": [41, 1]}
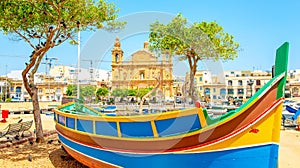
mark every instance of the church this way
{"type": "Point", "coordinates": [141, 70]}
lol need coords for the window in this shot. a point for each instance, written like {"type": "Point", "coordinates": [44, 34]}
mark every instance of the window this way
{"type": "Point", "coordinates": [214, 89]}
{"type": "Point", "coordinates": [117, 57]}
{"type": "Point", "coordinates": [18, 89]}
{"type": "Point", "coordinates": [12, 89]}
{"type": "Point", "coordinates": [230, 83]}
{"type": "Point", "coordinates": [258, 82]}
{"type": "Point", "coordinates": [223, 91]}
{"type": "Point", "coordinates": [200, 79]}
{"type": "Point", "coordinates": [207, 90]}
{"type": "Point", "coordinates": [142, 75]}
{"type": "Point", "coordinates": [58, 90]}
{"type": "Point", "coordinates": [240, 82]}
{"type": "Point", "coordinates": [230, 91]}
{"type": "Point", "coordinates": [200, 88]}
{"type": "Point", "coordinates": [295, 91]}
{"type": "Point", "coordinates": [231, 72]}
{"type": "Point", "coordinates": [240, 91]}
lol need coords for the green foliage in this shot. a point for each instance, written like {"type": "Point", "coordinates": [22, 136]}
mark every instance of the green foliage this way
{"type": "Point", "coordinates": [102, 92]}
{"type": "Point", "coordinates": [126, 92]}
{"type": "Point", "coordinates": [142, 92]}
{"type": "Point", "coordinates": [63, 15]}
{"type": "Point", "coordinates": [87, 91]}
{"type": "Point", "coordinates": [132, 92]}
{"type": "Point", "coordinates": [197, 41]}
{"type": "Point", "coordinates": [8, 100]}
{"type": "Point", "coordinates": [119, 92]}
{"type": "Point", "coordinates": [44, 24]}
{"type": "Point", "coordinates": [71, 90]}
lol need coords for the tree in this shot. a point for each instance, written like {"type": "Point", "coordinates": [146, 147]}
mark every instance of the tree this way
{"type": "Point", "coordinates": [192, 42]}
{"type": "Point", "coordinates": [118, 92]}
{"type": "Point", "coordinates": [88, 92]}
{"type": "Point", "coordinates": [132, 92]}
{"type": "Point", "coordinates": [142, 92]}
{"type": "Point", "coordinates": [102, 92]}
{"type": "Point", "coordinates": [71, 90]}
{"type": "Point", "coordinates": [45, 24]}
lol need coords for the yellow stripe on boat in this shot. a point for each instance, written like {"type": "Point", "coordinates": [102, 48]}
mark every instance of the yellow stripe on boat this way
{"type": "Point", "coordinates": [258, 133]}
{"type": "Point", "coordinates": [202, 119]}
{"type": "Point", "coordinates": [154, 130]}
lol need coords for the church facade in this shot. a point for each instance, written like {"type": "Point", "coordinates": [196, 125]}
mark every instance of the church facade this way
{"type": "Point", "coordinates": [142, 70]}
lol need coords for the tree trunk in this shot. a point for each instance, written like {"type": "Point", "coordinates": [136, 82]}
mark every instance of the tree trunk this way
{"type": "Point", "coordinates": [192, 87]}
{"type": "Point", "coordinates": [37, 116]}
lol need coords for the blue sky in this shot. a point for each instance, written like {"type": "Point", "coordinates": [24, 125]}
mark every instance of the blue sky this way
{"type": "Point", "coordinates": [260, 26]}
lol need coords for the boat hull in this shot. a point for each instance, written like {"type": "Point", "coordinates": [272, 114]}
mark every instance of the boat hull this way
{"type": "Point", "coordinates": [264, 155]}
{"type": "Point", "coordinates": [255, 145]}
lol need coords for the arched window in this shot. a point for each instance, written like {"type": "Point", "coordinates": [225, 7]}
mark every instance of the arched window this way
{"type": "Point", "coordinates": [240, 83]}
{"type": "Point", "coordinates": [207, 91]}
{"type": "Point", "coordinates": [117, 57]}
{"type": "Point", "coordinates": [18, 89]}
{"type": "Point", "coordinates": [295, 91]}
{"type": "Point", "coordinates": [142, 75]}
{"type": "Point", "coordinates": [230, 83]}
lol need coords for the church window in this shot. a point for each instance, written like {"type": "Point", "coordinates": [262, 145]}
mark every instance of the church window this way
{"type": "Point", "coordinates": [142, 74]}
{"type": "Point", "coordinates": [117, 57]}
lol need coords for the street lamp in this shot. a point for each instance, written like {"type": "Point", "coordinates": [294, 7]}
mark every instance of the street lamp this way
{"type": "Point", "coordinates": [78, 63]}
{"type": "Point", "coordinates": [250, 83]}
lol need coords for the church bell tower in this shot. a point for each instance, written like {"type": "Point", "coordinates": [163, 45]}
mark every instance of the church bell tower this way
{"type": "Point", "coordinates": [116, 56]}
{"type": "Point", "coordinates": [117, 52]}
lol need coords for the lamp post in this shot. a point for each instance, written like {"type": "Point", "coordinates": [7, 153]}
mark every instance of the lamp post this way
{"type": "Point", "coordinates": [78, 61]}
{"type": "Point", "coordinates": [250, 83]}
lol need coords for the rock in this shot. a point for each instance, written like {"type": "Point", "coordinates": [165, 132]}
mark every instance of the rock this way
{"type": "Point", "coordinates": [17, 137]}
{"type": "Point", "coordinates": [29, 158]}
{"type": "Point", "coordinates": [50, 141]}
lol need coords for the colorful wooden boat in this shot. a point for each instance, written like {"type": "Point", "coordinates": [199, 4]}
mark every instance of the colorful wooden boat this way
{"type": "Point", "coordinates": [247, 136]}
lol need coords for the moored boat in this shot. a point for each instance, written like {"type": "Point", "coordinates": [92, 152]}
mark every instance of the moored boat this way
{"type": "Point", "coordinates": [246, 136]}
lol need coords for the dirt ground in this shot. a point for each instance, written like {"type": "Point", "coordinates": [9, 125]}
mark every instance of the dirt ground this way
{"type": "Point", "coordinates": [50, 154]}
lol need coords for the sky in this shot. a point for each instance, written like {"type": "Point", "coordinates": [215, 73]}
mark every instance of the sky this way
{"type": "Point", "coordinates": [259, 26]}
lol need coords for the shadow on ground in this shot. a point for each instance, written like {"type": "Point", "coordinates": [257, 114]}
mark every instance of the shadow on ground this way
{"type": "Point", "coordinates": [61, 159]}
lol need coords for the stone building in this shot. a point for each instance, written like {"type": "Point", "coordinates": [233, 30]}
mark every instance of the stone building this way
{"type": "Point", "coordinates": [141, 70]}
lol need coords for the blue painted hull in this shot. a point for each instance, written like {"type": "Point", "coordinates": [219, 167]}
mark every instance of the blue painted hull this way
{"type": "Point", "coordinates": [262, 156]}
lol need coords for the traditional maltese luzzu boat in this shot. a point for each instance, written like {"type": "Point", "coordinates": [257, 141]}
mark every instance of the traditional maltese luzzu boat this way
{"type": "Point", "coordinates": [248, 136]}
